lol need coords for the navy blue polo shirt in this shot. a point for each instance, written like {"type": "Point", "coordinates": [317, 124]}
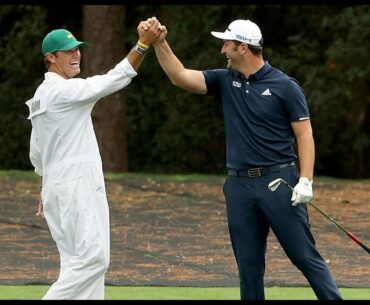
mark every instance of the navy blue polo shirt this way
{"type": "Point", "coordinates": [258, 112]}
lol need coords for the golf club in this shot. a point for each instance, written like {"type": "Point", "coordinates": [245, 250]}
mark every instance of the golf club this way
{"type": "Point", "coordinates": [273, 185]}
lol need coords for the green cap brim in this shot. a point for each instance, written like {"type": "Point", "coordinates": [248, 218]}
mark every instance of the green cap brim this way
{"type": "Point", "coordinates": [71, 45]}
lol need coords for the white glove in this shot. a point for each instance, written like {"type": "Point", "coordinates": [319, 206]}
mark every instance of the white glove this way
{"type": "Point", "coordinates": [302, 191]}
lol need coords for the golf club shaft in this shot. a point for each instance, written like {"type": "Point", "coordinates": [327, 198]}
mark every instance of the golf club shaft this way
{"type": "Point", "coordinates": [348, 233]}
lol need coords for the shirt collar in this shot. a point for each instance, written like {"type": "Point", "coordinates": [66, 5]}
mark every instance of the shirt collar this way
{"type": "Point", "coordinates": [52, 76]}
{"type": "Point", "coordinates": [259, 74]}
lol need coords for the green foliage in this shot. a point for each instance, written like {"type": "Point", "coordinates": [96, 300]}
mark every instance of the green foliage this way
{"type": "Point", "coordinates": [338, 87]}
{"type": "Point", "coordinates": [20, 72]}
{"type": "Point", "coordinates": [169, 130]}
{"type": "Point", "coordinates": [328, 57]}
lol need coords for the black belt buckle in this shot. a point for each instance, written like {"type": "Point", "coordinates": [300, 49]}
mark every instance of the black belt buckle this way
{"type": "Point", "coordinates": [254, 172]}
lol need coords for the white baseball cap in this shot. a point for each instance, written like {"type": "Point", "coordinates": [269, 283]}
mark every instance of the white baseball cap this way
{"type": "Point", "coordinates": [241, 30]}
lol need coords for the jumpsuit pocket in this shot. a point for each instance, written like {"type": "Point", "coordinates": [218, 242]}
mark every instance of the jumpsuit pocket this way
{"type": "Point", "coordinates": [70, 199]}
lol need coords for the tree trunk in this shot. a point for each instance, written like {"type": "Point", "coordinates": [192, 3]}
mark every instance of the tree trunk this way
{"type": "Point", "coordinates": [103, 30]}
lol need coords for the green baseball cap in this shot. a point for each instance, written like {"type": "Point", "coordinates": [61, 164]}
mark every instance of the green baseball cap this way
{"type": "Point", "coordinates": [59, 40]}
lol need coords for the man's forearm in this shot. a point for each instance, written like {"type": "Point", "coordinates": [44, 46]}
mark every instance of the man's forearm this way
{"type": "Point", "coordinates": [306, 155]}
{"type": "Point", "coordinates": [135, 59]}
{"type": "Point", "coordinates": [170, 64]}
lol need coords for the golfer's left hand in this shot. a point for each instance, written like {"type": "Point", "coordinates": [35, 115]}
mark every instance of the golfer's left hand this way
{"type": "Point", "coordinates": [302, 191]}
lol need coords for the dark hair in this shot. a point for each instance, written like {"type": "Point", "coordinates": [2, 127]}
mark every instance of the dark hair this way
{"type": "Point", "coordinates": [255, 50]}
{"type": "Point", "coordinates": [47, 63]}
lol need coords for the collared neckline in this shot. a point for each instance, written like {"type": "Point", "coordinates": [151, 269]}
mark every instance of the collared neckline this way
{"type": "Point", "coordinates": [259, 74]}
{"type": "Point", "coordinates": [52, 76]}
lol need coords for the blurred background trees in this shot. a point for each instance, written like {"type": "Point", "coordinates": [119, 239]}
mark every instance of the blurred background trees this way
{"type": "Point", "coordinates": [104, 28]}
{"type": "Point", "coordinates": [152, 126]}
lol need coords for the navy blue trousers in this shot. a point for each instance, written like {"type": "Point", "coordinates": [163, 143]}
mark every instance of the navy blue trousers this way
{"type": "Point", "coordinates": [251, 211]}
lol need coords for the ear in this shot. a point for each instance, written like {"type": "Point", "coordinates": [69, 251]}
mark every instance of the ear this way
{"type": "Point", "coordinates": [50, 57]}
{"type": "Point", "coordinates": [244, 48]}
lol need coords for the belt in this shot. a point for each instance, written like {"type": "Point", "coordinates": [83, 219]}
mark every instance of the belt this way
{"type": "Point", "coordinates": [258, 171]}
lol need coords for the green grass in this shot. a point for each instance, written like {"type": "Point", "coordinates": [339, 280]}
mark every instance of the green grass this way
{"type": "Point", "coordinates": [18, 174]}
{"type": "Point", "coordinates": [29, 174]}
{"type": "Point", "coordinates": [35, 292]}
{"type": "Point", "coordinates": [166, 177]}
{"type": "Point", "coordinates": [135, 176]}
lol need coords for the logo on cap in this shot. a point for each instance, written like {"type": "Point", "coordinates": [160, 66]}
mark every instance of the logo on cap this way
{"type": "Point", "coordinates": [241, 37]}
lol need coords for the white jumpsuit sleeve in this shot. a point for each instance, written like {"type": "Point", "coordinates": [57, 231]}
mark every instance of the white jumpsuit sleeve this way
{"type": "Point", "coordinates": [96, 87]}
{"type": "Point", "coordinates": [35, 155]}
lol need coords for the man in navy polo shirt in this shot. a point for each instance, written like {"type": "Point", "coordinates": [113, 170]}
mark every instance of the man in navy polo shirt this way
{"type": "Point", "coordinates": [265, 112]}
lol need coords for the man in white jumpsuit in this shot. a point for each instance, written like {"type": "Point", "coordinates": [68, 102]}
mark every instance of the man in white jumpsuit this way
{"type": "Point", "coordinates": [64, 151]}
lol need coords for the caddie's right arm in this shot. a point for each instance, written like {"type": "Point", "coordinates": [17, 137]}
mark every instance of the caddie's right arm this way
{"type": "Point", "coordinates": [190, 80]}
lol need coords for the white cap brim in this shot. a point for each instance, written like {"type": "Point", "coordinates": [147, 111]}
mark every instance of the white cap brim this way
{"type": "Point", "coordinates": [223, 35]}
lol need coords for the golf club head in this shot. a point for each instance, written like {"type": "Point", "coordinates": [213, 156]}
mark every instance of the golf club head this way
{"type": "Point", "coordinates": [273, 185]}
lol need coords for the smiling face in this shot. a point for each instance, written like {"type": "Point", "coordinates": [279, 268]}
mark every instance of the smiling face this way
{"type": "Point", "coordinates": [65, 63]}
{"type": "Point", "coordinates": [233, 52]}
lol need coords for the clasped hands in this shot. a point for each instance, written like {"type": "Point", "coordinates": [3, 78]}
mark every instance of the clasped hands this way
{"type": "Point", "coordinates": [151, 31]}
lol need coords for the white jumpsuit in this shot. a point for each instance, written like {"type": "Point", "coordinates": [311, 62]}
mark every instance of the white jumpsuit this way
{"type": "Point", "coordinates": [64, 151]}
